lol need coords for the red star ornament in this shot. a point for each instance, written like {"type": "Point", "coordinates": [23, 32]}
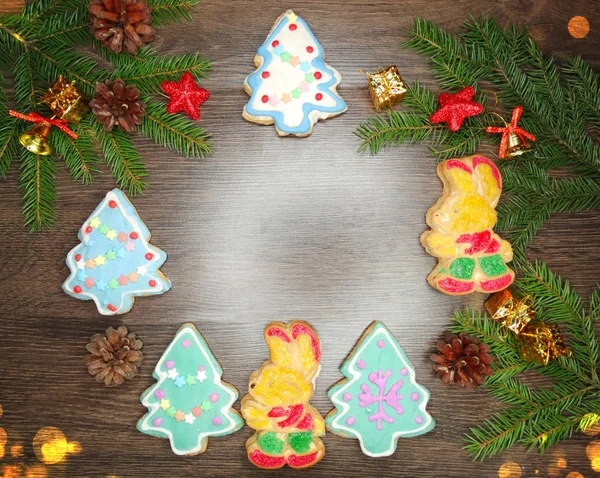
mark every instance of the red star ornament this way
{"type": "Point", "coordinates": [455, 108]}
{"type": "Point", "coordinates": [185, 95]}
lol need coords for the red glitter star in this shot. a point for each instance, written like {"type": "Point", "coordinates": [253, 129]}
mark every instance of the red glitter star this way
{"type": "Point", "coordinates": [455, 108]}
{"type": "Point", "coordinates": [185, 95]}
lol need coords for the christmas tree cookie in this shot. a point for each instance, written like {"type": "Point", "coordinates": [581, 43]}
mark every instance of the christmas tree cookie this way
{"type": "Point", "coordinates": [189, 403]}
{"type": "Point", "coordinates": [379, 401]}
{"type": "Point", "coordinates": [115, 262]}
{"type": "Point", "coordinates": [292, 87]}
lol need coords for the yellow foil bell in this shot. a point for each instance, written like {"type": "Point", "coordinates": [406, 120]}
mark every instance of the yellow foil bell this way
{"type": "Point", "coordinates": [36, 140]}
{"type": "Point", "coordinates": [65, 101]}
{"type": "Point", "coordinates": [537, 341]}
{"type": "Point", "coordinates": [386, 88]}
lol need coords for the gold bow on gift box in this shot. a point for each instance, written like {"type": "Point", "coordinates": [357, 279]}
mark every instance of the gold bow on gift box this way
{"type": "Point", "coordinates": [386, 87]}
{"type": "Point", "coordinates": [65, 101]}
{"type": "Point", "coordinates": [537, 341]}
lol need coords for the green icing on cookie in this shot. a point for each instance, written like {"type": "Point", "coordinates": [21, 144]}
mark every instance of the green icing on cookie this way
{"type": "Point", "coordinates": [300, 441]}
{"type": "Point", "coordinates": [493, 265]}
{"type": "Point", "coordinates": [462, 268]}
{"type": "Point", "coordinates": [270, 443]}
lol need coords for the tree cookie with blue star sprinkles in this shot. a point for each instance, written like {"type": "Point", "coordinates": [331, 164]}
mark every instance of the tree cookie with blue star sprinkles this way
{"type": "Point", "coordinates": [292, 87]}
{"type": "Point", "coordinates": [115, 263]}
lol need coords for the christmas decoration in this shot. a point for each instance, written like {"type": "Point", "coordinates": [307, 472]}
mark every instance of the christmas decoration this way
{"type": "Point", "coordinates": [537, 417]}
{"type": "Point", "coordinates": [118, 104]}
{"type": "Point", "coordinates": [462, 360]}
{"type": "Point", "coordinates": [471, 257]}
{"type": "Point", "coordinates": [189, 403]}
{"type": "Point", "coordinates": [537, 341]}
{"type": "Point", "coordinates": [185, 96]}
{"type": "Point", "coordinates": [292, 87]}
{"type": "Point", "coordinates": [386, 88]}
{"type": "Point", "coordinates": [62, 44]}
{"type": "Point", "coordinates": [115, 262]}
{"type": "Point", "coordinates": [277, 406]}
{"type": "Point", "coordinates": [118, 23]}
{"type": "Point", "coordinates": [380, 400]}
{"type": "Point", "coordinates": [114, 357]}
{"type": "Point", "coordinates": [36, 140]}
{"type": "Point", "coordinates": [513, 142]}
{"type": "Point", "coordinates": [455, 108]}
{"type": "Point", "coordinates": [65, 101]}
{"type": "Point", "coordinates": [559, 100]}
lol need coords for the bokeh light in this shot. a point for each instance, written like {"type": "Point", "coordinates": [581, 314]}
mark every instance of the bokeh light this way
{"type": "Point", "coordinates": [561, 463]}
{"type": "Point", "coordinates": [13, 471]}
{"type": "Point", "coordinates": [0, 411]}
{"type": "Point", "coordinates": [510, 469]}
{"type": "Point", "coordinates": [579, 27]}
{"type": "Point", "coordinates": [50, 446]}
{"type": "Point", "coordinates": [16, 450]}
{"type": "Point", "coordinates": [594, 429]}
{"type": "Point", "coordinates": [2, 442]}
{"type": "Point", "coordinates": [574, 474]}
{"type": "Point", "coordinates": [37, 471]}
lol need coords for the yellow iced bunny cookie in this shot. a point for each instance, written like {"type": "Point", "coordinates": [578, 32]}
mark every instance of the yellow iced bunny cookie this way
{"type": "Point", "coordinates": [471, 257]}
{"type": "Point", "coordinates": [287, 426]}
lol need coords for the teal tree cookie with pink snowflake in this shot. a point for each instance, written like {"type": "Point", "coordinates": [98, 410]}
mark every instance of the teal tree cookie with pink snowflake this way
{"type": "Point", "coordinates": [114, 263]}
{"type": "Point", "coordinates": [379, 401]}
{"type": "Point", "coordinates": [292, 86]}
{"type": "Point", "coordinates": [189, 403]}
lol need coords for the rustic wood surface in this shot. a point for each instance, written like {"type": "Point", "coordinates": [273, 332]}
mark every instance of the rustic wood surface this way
{"type": "Point", "coordinates": [271, 228]}
{"type": "Point", "coordinates": [11, 6]}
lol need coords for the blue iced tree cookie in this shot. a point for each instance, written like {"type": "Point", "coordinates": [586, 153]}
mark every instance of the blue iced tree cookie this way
{"type": "Point", "coordinates": [115, 262]}
{"type": "Point", "coordinates": [379, 401]}
{"type": "Point", "coordinates": [292, 87]}
{"type": "Point", "coordinates": [189, 403]}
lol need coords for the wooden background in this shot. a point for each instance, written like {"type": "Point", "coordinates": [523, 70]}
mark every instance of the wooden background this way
{"type": "Point", "coordinates": [271, 228]}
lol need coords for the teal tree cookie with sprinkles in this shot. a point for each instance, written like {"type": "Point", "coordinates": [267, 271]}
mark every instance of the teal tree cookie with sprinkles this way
{"type": "Point", "coordinates": [379, 401]}
{"type": "Point", "coordinates": [189, 403]}
{"type": "Point", "coordinates": [114, 263]}
{"type": "Point", "coordinates": [292, 87]}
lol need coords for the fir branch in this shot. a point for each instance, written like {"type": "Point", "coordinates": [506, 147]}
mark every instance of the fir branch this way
{"type": "Point", "coordinates": [171, 11]}
{"type": "Point", "coordinates": [175, 132]}
{"type": "Point", "coordinates": [37, 186]}
{"type": "Point", "coordinates": [123, 159]}
{"type": "Point", "coordinates": [25, 90]}
{"type": "Point", "coordinates": [69, 27]}
{"type": "Point", "coordinates": [150, 72]}
{"type": "Point", "coordinates": [8, 144]}
{"type": "Point", "coordinates": [79, 155]}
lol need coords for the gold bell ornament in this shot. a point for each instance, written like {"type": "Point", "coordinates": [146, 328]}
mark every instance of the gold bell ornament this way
{"type": "Point", "coordinates": [386, 87]}
{"type": "Point", "coordinates": [514, 138]}
{"type": "Point", "coordinates": [36, 140]}
{"type": "Point", "coordinates": [516, 147]}
{"type": "Point", "coordinates": [66, 101]}
{"type": "Point", "coordinates": [537, 341]}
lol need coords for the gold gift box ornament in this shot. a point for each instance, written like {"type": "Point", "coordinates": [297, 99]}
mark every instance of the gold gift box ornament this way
{"type": "Point", "coordinates": [65, 101]}
{"type": "Point", "coordinates": [537, 341]}
{"type": "Point", "coordinates": [386, 87]}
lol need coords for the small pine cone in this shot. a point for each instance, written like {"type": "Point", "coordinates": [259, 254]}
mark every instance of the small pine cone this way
{"type": "Point", "coordinates": [118, 104]}
{"type": "Point", "coordinates": [121, 22]}
{"type": "Point", "coordinates": [114, 357]}
{"type": "Point", "coordinates": [462, 360]}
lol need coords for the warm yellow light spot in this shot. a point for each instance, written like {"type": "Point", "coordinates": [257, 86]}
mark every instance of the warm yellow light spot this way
{"type": "Point", "coordinates": [13, 471]}
{"type": "Point", "coordinates": [50, 445]}
{"type": "Point", "coordinates": [74, 448]}
{"type": "Point", "coordinates": [510, 469]}
{"type": "Point", "coordinates": [596, 464]}
{"type": "Point", "coordinates": [574, 474]}
{"type": "Point", "coordinates": [561, 463]}
{"type": "Point", "coordinates": [0, 410]}
{"type": "Point", "coordinates": [2, 442]}
{"type": "Point", "coordinates": [37, 471]}
{"type": "Point", "coordinates": [16, 450]}
{"type": "Point", "coordinates": [579, 27]}
{"type": "Point", "coordinates": [593, 450]}
{"type": "Point", "coordinates": [594, 429]}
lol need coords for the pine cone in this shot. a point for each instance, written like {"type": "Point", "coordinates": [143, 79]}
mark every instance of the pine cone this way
{"type": "Point", "coordinates": [115, 357]}
{"type": "Point", "coordinates": [118, 22]}
{"type": "Point", "coordinates": [462, 360]}
{"type": "Point", "coordinates": [118, 104]}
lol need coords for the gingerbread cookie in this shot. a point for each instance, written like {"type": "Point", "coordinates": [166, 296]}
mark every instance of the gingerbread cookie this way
{"type": "Point", "coordinates": [379, 401]}
{"type": "Point", "coordinates": [471, 257]}
{"type": "Point", "coordinates": [189, 403]}
{"type": "Point", "coordinates": [292, 87]}
{"type": "Point", "coordinates": [115, 262]}
{"type": "Point", "coordinates": [277, 406]}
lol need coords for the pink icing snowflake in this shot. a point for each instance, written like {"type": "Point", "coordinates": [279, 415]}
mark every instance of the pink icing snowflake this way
{"type": "Point", "coordinates": [391, 398]}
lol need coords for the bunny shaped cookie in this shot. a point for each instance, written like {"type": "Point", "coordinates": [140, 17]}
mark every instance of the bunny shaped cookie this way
{"type": "Point", "coordinates": [287, 426]}
{"type": "Point", "coordinates": [471, 257]}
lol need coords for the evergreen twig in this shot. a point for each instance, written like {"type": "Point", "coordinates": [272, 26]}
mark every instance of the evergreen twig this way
{"type": "Point", "coordinates": [40, 45]}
